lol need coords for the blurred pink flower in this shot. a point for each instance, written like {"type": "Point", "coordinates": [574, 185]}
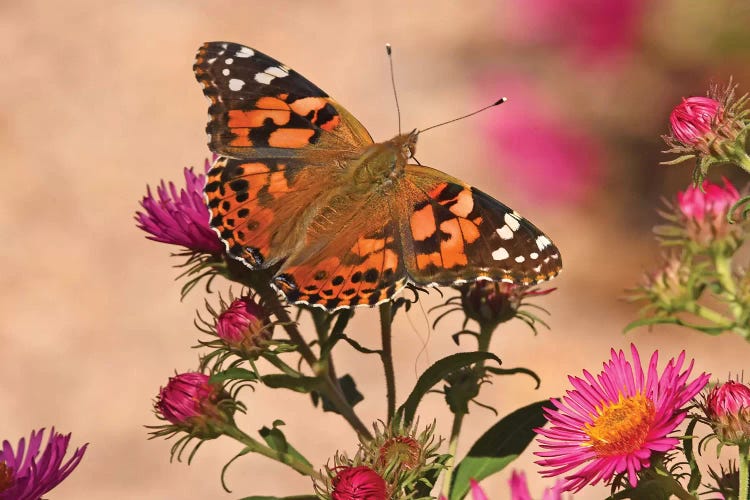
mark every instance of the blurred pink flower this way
{"type": "Point", "coordinates": [590, 31]}
{"type": "Point", "coordinates": [692, 120]}
{"type": "Point", "coordinates": [539, 151]}
{"type": "Point", "coordinates": [27, 475]}
{"type": "Point", "coordinates": [709, 200]}
{"type": "Point", "coordinates": [180, 217]}
{"type": "Point", "coordinates": [477, 493]}
{"type": "Point", "coordinates": [519, 490]}
{"type": "Point", "coordinates": [612, 423]}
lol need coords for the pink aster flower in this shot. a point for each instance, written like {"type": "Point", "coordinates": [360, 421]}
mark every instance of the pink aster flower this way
{"type": "Point", "coordinates": [692, 120]}
{"type": "Point", "coordinates": [180, 217]}
{"type": "Point", "coordinates": [27, 475]}
{"type": "Point", "coordinates": [194, 404]}
{"type": "Point", "coordinates": [519, 490]}
{"type": "Point", "coordinates": [704, 211]}
{"type": "Point", "coordinates": [477, 493]}
{"type": "Point", "coordinates": [244, 326]}
{"type": "Point", "coordinates": [358, 483]}
{"type": "Point", "coordinates": [727, 408]}
{"type": "Point", "coordinates": [612, 423]}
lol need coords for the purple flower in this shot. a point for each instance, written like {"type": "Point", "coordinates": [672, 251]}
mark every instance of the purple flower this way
{"type": "Point", "coordinates": [25, 475]}
{"type": "Point", "coordinates": [180, 218]}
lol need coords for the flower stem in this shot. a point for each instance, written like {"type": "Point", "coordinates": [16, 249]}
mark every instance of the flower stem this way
{"type": "Point", "coordinates": [744, 466]}
{"type": "Point", "coordinates": [331, 388]}
{"type": "Point", "coordinates": [709, 314]}
{"type": "Point", "coordinates": [286, 458]}
{"type": "Point", "coordinates": [743, 160]}
{"type": "Point", "coordinates": [458, 419]}
{"type": "Point", "coordinates": [386, 356]}
{"type": "Point", "coordinates": [723, 266]}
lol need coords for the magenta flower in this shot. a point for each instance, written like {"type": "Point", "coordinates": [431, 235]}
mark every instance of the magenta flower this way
{"type": "Point", "coordinates": [27, 475]}
{"type": "Point", "coordinates": [477, 493]}
{"type": "Point", "coordinates": [704, 211]}
{"type": "Point", "coordinates": [244, 326]}
{"type": "Point", "coordinates": [519, 490]}
{"type": "Point", "coordinates": [612, 423]}
{"type": "Point", "coordinates": [540, 152]}
{"type": "Point", "coordinates": [358, 483]}
{"type": "Point", "coordinates": [194, 404]}
{"type": "Point", "coordinates": [180, 218]}
{"type": "Point", "coordinates": [693, 119]}
{"type": "Point", "coordinates": [727, 408]}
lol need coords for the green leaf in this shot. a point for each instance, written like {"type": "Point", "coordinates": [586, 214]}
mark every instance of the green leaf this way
{"type": "Point", "coordinates": [276, 439]}
{"type": "Point", "coordinates": [435, 374]}
{"type": "Point", "coordinates": [513, 371]}
{"type": "Point", "coordinates": [298, 384]}
{"type": "Point", "coordinates": [499, 446]}
{"type": "Point", "coordinates": [352, 395]}
{"type": "Point", "coordinates": [648, 322]}
{"type": "Point", "coordinates": [233, 374]}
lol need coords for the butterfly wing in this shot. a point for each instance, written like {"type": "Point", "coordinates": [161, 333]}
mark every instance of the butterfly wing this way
{"type": "Point", "coordinates": [284, 141]}
{"type": "Point", "coordinates": [261, 108]}
{"type": "Point", "coordinates": [454, 233]}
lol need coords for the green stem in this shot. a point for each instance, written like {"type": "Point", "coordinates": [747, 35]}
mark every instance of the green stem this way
{"type": "Point", "coordinates": [744, 466]}
{"type": "Point", "coordinates": [386, 356]}
{"type": "Point", "coordinates": [743, 160]}
{"type": "Point", "coordinates": [723, 264]}
{"type": "Point", "coordinates": [458, 419]}
{"type": "Point", "coordinates": [285, 458]}
{"type": "Point", "coordinates": [331, 388]}
{"type": "Point", "coordinates": [709, 314]}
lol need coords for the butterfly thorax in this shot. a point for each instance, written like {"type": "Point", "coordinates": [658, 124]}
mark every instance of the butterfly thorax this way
{"type": "Point", "coordinates": [380, 164]}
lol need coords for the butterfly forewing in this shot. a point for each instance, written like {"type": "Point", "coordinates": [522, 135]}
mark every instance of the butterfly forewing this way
{"type": "Point", "coordinates": [260, 107]}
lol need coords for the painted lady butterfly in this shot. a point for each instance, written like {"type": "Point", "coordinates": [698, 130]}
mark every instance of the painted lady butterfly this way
{"type": "Point", "coordinates": [301, 187]}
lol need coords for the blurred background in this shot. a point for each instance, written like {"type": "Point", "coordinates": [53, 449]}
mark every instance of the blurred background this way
{"type": "Point", "coordinates": [98, 100]}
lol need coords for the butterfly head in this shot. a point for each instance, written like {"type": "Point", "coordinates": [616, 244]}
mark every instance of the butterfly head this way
{"type": "Point", "coordinates": [407, 144]}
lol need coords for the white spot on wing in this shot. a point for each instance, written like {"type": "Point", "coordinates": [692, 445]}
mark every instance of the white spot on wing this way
{"type": "Point", "coordinates": [538, 268]}
{"type": "Point", "coordinates": [228, 60]}
{"type": "Point", "coordinates": [277, 72]}
{"type": "Point", "coordinates": [534, 255]}
{"type": "Point", "coordinates": [211, 61]}
{"type": "Point", "coordinates": [263, 78]}
{"type": "Point", "coordinates": [512, 221]}
{"type": "Point", "coordinates": [500, 254]}
{"type": "Point", "coordinates": [505, 232]}
{"type": "Point", "coordinates": [236, 84]}
{"type": "Point", "coordinates": [520, 259]}
{"type": "Point", "coordinates": [244, 52]}
{"type": "Point", "coordinates": [225, 72]}
{"type": "Point", "coordinates": [542, 242]}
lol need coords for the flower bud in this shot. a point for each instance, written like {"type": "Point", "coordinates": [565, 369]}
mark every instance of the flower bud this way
{"type": "Point", "coordinates": [727, 408]}
{"type": "Point", "coordinates": [692, 120]}
{"type": "Point", "coordinates": [358, 483]}
{"type": "Point", "coordinates": [704, 212]}
{"type": "Point", "coordinates": [244, 327]}
{"type": "Point", "coordinates": [193, 404]}
{"type": "Point", "coordinates": [405, 451]}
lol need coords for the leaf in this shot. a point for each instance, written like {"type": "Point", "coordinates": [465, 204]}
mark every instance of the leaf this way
{"type": "Point", "coordinates": [276, 439]}
{"type": "Point", "coordinates": [499, 446]}
{"type": "Point", "coordinates": [648, 322]}
{"type": "Point", "coordinates": [233, 374]}
{"type": "Point", "coordinates": [435, 374]}
{"type": "Point", "coordinates": [352, 395]}
{"type": "Point", "coordinates": [298, 384]}
{"type": "Point", "coordinates": [513, 371]}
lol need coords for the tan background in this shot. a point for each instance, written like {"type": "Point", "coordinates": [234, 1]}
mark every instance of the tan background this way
{"type": "Point", "coordinates": [98, 99]}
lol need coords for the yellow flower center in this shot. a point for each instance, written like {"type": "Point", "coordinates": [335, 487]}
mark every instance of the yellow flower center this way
{"type": "Point", "coordinates": [621, 428]}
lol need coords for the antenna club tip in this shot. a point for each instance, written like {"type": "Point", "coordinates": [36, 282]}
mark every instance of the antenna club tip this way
{"type": "Point", "coordinates": [500, 101]}
{"type": "Point", "coordinates": [388, 48]}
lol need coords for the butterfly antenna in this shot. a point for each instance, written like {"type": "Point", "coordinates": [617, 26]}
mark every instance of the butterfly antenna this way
{"type": "Point", "coordinates": [389, 51]}
{"type": "Point", "coordinates": [499, 101]}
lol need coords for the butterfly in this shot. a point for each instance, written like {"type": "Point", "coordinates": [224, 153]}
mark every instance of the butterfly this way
{"type": "Point", "coordinates": [300, 187]}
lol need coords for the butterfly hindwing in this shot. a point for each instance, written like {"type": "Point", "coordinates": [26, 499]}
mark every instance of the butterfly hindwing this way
{"type": "Point", "coordinates": [260, 107]}
{"type": "Point", "coordinates": [458, 233]}
{"type": "Point", "coordinates": [362, 267]}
